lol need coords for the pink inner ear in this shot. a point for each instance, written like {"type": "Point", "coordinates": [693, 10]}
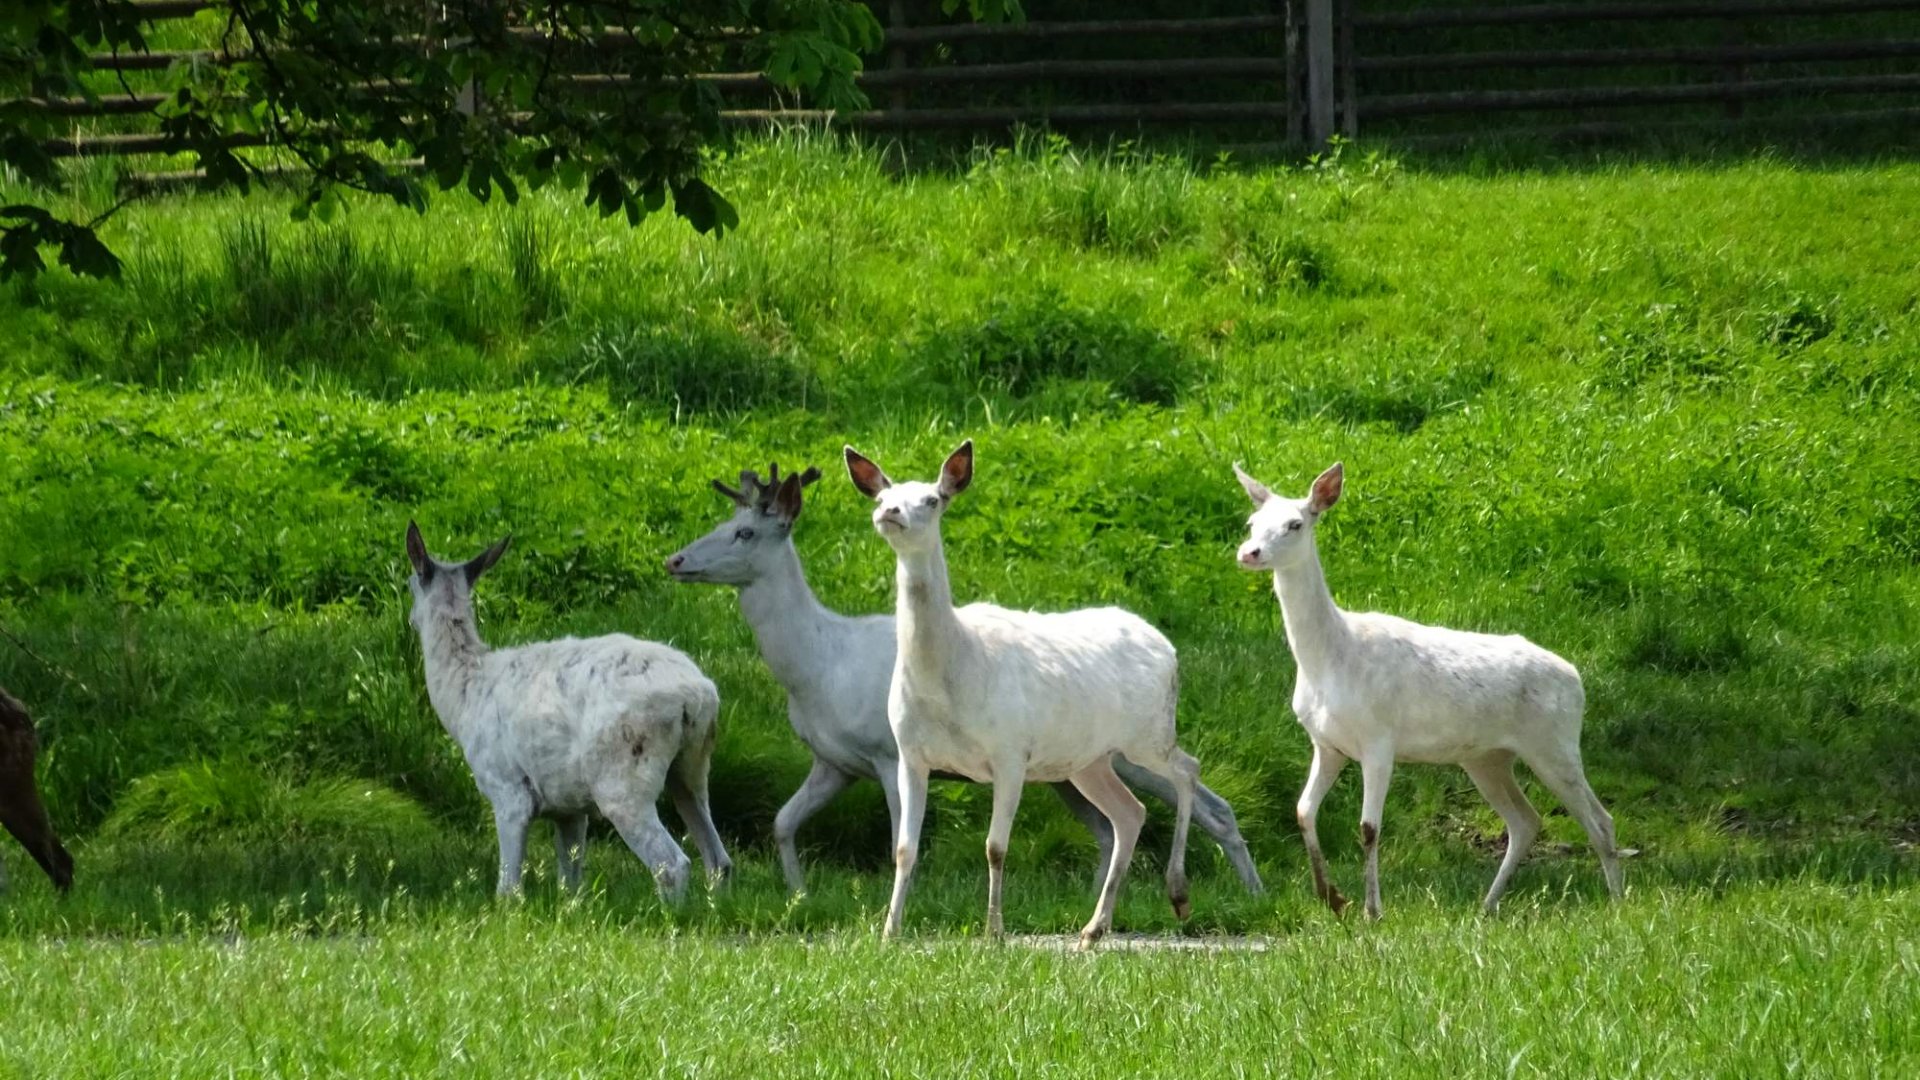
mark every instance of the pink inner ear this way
{"type": "Point", "coordinates": [957, 472]}
{"type": "Point", "coordinates": [1326, 491]}
{"type": "Point", "coordinates": [866, 475]}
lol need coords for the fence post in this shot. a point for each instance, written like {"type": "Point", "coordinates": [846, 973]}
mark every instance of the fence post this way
{"type": "Point", "coordinates": [1296, 107]}
{"type": "Point", "coordinates": [1319, 70]}
{"type": "Point", "coordinates": [467, 99]}
{"type": "Point", "coordinates": [1349, 94]}
{"type": "Point", "coordinates": [1734, 32]}
{"type": "Point", "coordinates": [897, 55]}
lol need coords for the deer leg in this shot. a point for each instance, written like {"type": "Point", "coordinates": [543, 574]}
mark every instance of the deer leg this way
{"type": "Point", "coordinates": [1008, 781]}
{"type": "Point", "coordinates": [1103, 788]}
{"type": "Point", "coordinates": [1376, 772]}
{"type": "Point", "coordinates": [1494, 777]}
{"type": "Point", "coordinates": [1327, 763]}
{"type": "Point", "coordinates": [822, 784]}
{"type": "Point", "coordinates": [906, 851]}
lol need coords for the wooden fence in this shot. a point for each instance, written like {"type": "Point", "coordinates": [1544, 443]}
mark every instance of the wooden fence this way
{"type": "Point", "coordinates": [1299, 74]}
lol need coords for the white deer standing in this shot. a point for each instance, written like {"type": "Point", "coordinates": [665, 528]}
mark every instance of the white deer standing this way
{"type": "Point", "coordinates": [836, 671]}
{"type": "Point", "coordinates": [559, 728]}
{"type": "Point", "coordinates": [1379, 689]}
{"type": "Point", "coordinates": [1004, 697]}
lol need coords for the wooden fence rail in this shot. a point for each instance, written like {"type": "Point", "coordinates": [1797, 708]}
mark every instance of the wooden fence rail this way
{"type": "Point", "coordinates": [1615, 96]}
{"type": "Point", "coordinates": [1641, 12]}
{"type": "Point", "coordinates": [1307, 70]}
{"type": "Point", "coordinates": [1041, 31]}
{"type": "Point", "coordinates": [1679, 54]}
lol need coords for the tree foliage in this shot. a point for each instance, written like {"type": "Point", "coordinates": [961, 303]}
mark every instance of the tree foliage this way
{"type": "Point", "coordinates": [402, 97]}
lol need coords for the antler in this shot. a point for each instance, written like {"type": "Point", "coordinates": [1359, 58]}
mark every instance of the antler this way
{"type": "Point", "coordinates": [758, 493]}
{"type": "Point", "coordinates": [746, 493]}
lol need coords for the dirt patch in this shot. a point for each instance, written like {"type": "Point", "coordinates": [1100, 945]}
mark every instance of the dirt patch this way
{"type": "Point", "coordinates": [1146, 943]}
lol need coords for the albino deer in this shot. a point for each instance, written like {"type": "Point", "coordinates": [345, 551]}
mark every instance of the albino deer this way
{"type": "Point", "coordinates": [21, 811]}
{"type": "Point", "coordinates": [836, 671]}
{"type": "Point", "coordinates": [1379, 689]}
{"type": "Point", "coordinates": [1004, 697]}
{"type": "Point", "coordinates": [559, 728]}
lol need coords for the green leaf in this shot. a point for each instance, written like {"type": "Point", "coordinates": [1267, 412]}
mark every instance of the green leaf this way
{"type": "Point", "coordinates": [83, 253]}
{"type": "Point", "coordinates": [703, 207]}
{"type": "Point", "coordinates": [20, 252]}
{"type": "Point", "coordinates": [301, 79]}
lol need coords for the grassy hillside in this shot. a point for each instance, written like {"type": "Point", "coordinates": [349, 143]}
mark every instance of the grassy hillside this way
{"type": "Point", "coordinates": [1661, 421]}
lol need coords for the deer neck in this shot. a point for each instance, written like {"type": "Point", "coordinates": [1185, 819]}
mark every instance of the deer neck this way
{"type": "Point", "coordinates": [789, 623]}
{"type": "Point", "coordinates": [927, 627]}
{"type": "Point", "coordinates": [1317, 631]}
{"type": "Point", "coordinates": [451, 646]}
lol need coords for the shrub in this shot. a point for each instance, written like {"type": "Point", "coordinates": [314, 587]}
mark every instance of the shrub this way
{"type": "Point", "coordinates": [692, 367]}
{"type": "Point", "coordinates": [1034, 343]}
{"type": "Point", "coordinates": [236, 800]}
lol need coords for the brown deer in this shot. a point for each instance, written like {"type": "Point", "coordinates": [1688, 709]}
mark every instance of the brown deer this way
{"type": "Point", "coordinates": [20, 808]}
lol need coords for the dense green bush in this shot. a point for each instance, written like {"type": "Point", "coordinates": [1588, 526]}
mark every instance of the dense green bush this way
{"type": "Point", "coordinates": [233, 800]}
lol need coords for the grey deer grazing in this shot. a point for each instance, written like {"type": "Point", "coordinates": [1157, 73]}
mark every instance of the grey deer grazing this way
{"type": "Point", "coordinates": [1004, 697]}
{"type": "Point", "coordinates": [560, 728]}
{"type": "Point", "coordinates": [836, 670]}
{"type": "Point", "coordinates": [21, 811]}
{"type": "Point", "coordinates": [1379, 689]}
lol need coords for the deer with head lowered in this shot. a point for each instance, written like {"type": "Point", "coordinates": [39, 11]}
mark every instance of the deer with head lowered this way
{"type": "Point", "coordinates": [1380, 689]}
{"type": "Point", "coordinates": [21, 811]}
{"type": "Point", "coordinates": [560, 728]}
{"type": "Point", "coordinates": [836, 671]}
{"type": "Point", "coordinates": [1004, 697]}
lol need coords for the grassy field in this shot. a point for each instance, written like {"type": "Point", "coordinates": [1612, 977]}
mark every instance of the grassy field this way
{"type": "Point", "coordinates": [1787, 974]}
{"type": "Point", "coordinates": [1664, 420]}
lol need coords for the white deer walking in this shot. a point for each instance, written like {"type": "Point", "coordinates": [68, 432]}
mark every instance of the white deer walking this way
{"type": "Point", "coordinates": [1004, 697]}
{"type": "Point", "coordinates": [559, 728]}
{"type": "Point", "coordinates": [836, 671]}
{"type": "Point", "coordinates": [1380, 689]}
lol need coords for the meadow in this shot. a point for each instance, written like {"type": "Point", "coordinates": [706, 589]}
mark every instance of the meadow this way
{"type": "Point", "coordinates": [1660, 418]}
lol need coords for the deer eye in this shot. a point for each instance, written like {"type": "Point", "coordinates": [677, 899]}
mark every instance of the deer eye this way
{"type": "Point", "coordinates": [743, 534]}
{"type": "Point", "coordinates": [928, 501]}
{"type": "Point", "coordinates": [1293, 526]}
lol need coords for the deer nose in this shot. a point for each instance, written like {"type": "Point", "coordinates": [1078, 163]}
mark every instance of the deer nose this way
{"type": "Point", "coordinates": [1250, 556]}
{"type": "Point", "coordinates": [674, 561]}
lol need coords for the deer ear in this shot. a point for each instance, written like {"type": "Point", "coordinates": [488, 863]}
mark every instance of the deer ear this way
{"type": "Point", "coordinates": [866, 475]}
{"type": "Point", "coordinates": [1326, 489]}
{"type": "Point", "coordinates": [484, 561]}
{"type": "Point", "coordinates": [957, 473]}
{"type": "Point", "coordinates": [417, 553]}
{"type": "Point", "coordinates": [1256, 490]}
{"type": "Point", "coordinates": [786, 500]}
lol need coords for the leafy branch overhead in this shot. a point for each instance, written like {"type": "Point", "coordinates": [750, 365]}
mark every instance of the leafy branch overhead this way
{"type": "Point", "coordinates": [400, 98]}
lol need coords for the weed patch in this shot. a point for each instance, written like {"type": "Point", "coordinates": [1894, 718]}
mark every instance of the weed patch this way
{"type": "Point", "coordinates": [1048, 344]}
{"type": "Point", "coordinates": [236, 801]}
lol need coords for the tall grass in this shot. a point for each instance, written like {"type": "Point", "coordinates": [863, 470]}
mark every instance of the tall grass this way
{"type": "Point", "coordinates": [1650, 417]}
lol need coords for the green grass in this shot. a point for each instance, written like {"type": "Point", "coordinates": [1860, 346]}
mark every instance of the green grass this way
{"type": "Point", "coordinates": [1780, 966]}
{"type": "Point", "coordinates": [1662, 420]}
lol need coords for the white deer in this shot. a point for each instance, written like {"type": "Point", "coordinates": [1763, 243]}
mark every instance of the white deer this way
{"type": "Point", "coordinates": [1380, 689]}
{"type": "Point", "coordinates": [559, 728]}
{"type": "Point", "coordinates": [1004, 697]}
{"type": "Point", "coordinates": [836, 671]}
